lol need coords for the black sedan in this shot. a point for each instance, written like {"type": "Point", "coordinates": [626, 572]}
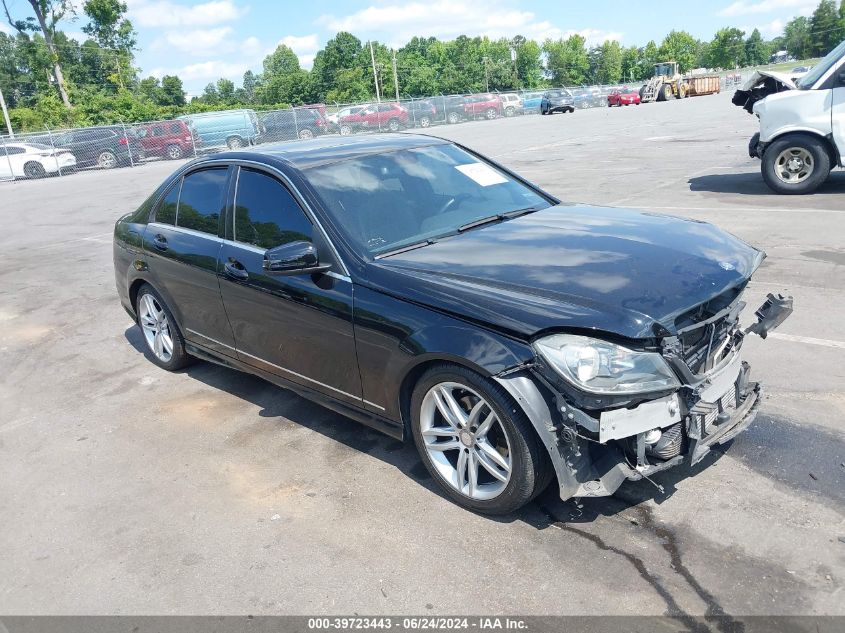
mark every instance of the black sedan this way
{"type": "Point", "coordinates": [432, 294]}
{"type": "Point", "coordinates": [557, 101]}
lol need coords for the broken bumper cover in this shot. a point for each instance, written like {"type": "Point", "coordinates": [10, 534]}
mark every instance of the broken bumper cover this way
{"type": "Point", "coordinates": [755, 148]}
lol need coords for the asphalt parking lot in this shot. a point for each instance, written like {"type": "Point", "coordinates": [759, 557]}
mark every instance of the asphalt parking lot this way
{"type": "Point", "coordinates": [126, 489]}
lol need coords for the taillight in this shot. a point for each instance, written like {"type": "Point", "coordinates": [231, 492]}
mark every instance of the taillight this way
{"type": "Point", "coordinates": [320, 123]}
{"type": "Point", "coordinates": [123, 140]}
{"type": "Point", "coordinates": [187, 139]}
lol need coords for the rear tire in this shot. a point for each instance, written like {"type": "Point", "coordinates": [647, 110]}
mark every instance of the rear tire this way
{"type": "Point", "coordinates": [345, 130]}
{"type": "Point", "coordinates": [174, 152]}
{"type": "Point", "coordinates": [453, 117]}
{"type": "Point", "coordinates": [393, 125]}
{"type": "Point", "coordinates": [510, 439]}
{"type": "Point", "coordinates": [165, 345]}
{"type": "Point", "coordinates": [796, 164]}
{"type": "Point", "coordinates": [34, 170]}
{"type": "Point", "coordinates": [425, 121]}
{"type": "Point", "coordinates": [106, 160]}
{"type": "Point", "coordinates": [305, 134]}
{"type": "Point", "coordinates": [235, 142]}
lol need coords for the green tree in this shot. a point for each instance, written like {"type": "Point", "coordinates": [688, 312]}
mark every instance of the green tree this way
{"type": "Point", "coordinates": [172, 92]}
{"type": "Point", "coordinates": [756, 50]}
{"type": "Point", "coordinates": [113, 32]}
{"type": "Point", "coordinates": [681, 47]}
{"type": "Point", "coordinates": [529, 65]}
{"type": "Point", "coordinates": [48, 13]}
{"type": "Point", "coordinates": [727, 50]}
{"type": "Point", "coordinates": [339, 69]}
{"type": "Point", "coordinates": [609, 68]}
{"type": "Point", "coordinates": [249, 84]}
{"type": "Point", "coordinates": [567, 62]}
{"type": "Point", "coordinates": [631, 64]}
{"type": "Point", "coordinates": [797, 38]}
{"type": "Point", "coordinates": [825, 27]}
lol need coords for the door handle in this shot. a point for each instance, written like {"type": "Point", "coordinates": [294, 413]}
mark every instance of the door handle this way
{"type": "Point", "coordinates": [160, 242]}
{"type": "Point", "coordinates": [234, 269]}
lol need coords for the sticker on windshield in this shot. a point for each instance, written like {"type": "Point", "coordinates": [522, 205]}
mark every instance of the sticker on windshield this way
{"type": "Point", "coordinates": [482, 174]}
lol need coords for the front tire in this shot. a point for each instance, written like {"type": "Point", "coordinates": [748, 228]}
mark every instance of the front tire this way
{"type": "Point", "coordinates": [393, 125]}
{"type": "Point", "coordinates": [345, 130]}
{"type": "Point", "coordinates": [305, 134]}
{"type": "Point", "coordinates": [453, 117]}
{"type": "Point", "coordinates": [164, 342]}
{"type": "Point", "coordinates": [796, 164]}
{"type": "Point", "coordinates": [476, 442]}
{"type": "Point", "coordinates": [425, 121]}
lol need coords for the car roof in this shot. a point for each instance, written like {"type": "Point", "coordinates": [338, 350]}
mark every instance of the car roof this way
{"type": "Point", "coordinates": [330, 149]}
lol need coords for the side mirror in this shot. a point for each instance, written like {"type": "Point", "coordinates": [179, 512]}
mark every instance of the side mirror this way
{"type": "Point", "coordinates": [293, 258]}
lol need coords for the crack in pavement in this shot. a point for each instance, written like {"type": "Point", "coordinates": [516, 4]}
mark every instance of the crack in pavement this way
{"type": "Point", "coordinates": [714, 612]}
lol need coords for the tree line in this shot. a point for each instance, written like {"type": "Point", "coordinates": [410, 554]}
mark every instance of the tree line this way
{"type": "Point", "coordinates": [51, 79]}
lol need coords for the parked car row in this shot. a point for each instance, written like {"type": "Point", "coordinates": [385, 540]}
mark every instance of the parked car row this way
{"type": "Point", "coordinates": [190, 135]}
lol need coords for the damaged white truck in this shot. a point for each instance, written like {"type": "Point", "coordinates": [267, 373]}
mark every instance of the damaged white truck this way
{"type": "Point", "coordinates": [802, 124]}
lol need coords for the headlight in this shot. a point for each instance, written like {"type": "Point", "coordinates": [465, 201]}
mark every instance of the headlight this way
{"type": "Point", "coordinates": [600, 367]}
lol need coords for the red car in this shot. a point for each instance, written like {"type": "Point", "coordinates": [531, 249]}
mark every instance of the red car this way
{"type": "Point", "coordinates": [486, 105]}
{"type": "Point", "coordinates": [623, 97]}
{"type": "Point", "coordinates": [168, 139]}
{"type": "Point", "coordinates": [379, 116]}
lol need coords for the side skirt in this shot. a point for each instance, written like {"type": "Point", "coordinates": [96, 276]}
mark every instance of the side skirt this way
{"type": "Point", "coordinates": [384, 425]}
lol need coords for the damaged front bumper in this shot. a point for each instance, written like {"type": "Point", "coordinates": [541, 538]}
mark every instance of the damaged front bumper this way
{"type": "Point", "coordinates": [594, 452]}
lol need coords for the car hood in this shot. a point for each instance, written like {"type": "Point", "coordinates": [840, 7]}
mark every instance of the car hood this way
{"type": "Point", "coordinates": [613, 270]}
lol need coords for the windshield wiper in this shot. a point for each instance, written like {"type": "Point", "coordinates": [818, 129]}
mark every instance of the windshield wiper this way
{"type": "Point", "coordinates": [408, 247]}
{"type": "Point", "coordinates": [499, 217]}
{"type": "Point", "coordinates": [519, 212]}
{"type": "Point", "coordinates": [476, 223]}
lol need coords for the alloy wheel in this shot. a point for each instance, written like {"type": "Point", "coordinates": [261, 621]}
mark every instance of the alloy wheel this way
{"type": "Point", "coordinates": [794, 165]}
{"type": "Point", "coordinates": [106, 160]}
{"type": "Point", "coordinates": [156, 327]}
{"type": "Point", "coordinates": [174, 152]}
{"type": "Point", "coordinates": [465, 441]}
{"type": "Point", "coordinates": [306, 134]}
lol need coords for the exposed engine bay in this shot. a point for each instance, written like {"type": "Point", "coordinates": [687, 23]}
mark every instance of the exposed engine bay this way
{"type": "Point", "coordinates": [762, 84]}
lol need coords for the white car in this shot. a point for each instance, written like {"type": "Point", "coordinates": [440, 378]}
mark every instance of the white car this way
{"type": "Point", "coordinates": [335, 118]}
{"type": "Point", "coordinates": [802, 124]}
{"type": "Point", "coordinates": [31, 160]}
{"type": "Point", "coordinates": [511, 104]}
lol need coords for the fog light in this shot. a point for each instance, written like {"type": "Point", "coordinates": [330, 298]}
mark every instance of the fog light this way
{"type": "Point", "coordinates": [653, 436]}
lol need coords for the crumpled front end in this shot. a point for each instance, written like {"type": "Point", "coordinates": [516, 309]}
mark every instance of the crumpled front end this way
{"type": "Point", "coordinates": [597, 442]}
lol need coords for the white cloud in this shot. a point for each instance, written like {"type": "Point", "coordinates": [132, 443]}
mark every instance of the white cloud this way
{"type": "Point", "coordinates": [199, 42]}
{"type": "Point", "coordinates": [206, 71]}
{"type": "Point", "coordinates": [748, 7]}
{"type": "Point", "coordinates": [251, 46]}
{"type": "Point", "coordinates": [163, 13]}
{"type": "Point", "coordinates": [397, 23]}
{"type": "Point", "coordinates": [305, 47]}
{"type": "Point", "coordinates": [769, 30]}
{"type": "Point", "coordinates": [5, 28]}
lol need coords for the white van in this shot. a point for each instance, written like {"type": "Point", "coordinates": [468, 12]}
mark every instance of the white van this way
{"type": "Point", "coordinates": [802, 124]}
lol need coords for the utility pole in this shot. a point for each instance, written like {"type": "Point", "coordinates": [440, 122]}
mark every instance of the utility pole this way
{"type": "Point", "coordinates": [486, 61]}
{"type": "Point", "coordinates": [6, 114]}
{"type": "Point", "coordinates": [375, 72]}
{"type": "Point", "coordinates": [395, 76]}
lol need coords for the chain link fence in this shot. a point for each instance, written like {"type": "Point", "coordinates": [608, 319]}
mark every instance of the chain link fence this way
{"type": "Point", "coordinates": [56, 153]}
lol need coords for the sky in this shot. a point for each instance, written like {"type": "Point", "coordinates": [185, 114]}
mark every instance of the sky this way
{"type": "Point", "coordinates": [202, 40]}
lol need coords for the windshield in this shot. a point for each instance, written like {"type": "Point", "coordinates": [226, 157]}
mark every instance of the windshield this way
{"type": "Point", "coordinates": [807, 81]}
{"type": "Point", "coordinates": [383, 202]}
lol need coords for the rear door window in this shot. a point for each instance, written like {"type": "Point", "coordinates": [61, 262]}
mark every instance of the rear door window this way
{"type": "Point", "coordinates": [166, 212]}
{"type": "Point", "coordinates": [201, 200]}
